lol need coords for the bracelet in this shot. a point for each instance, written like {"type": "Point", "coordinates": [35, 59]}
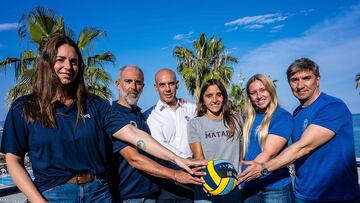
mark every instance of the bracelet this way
{"type": "Point", "coordinates": [175, 181]}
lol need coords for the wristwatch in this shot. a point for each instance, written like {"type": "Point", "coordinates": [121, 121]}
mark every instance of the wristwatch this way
{"type": "Point", "coordinates": [263, 170]}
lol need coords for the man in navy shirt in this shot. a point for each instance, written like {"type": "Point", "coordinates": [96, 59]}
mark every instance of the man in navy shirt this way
{"type": "Point", "coordinates": [323, 145]}
{"type": "Point", "coordinates": [135, 167]}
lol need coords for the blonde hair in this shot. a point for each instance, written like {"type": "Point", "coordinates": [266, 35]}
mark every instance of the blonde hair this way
{"type": "Point", "coordinates": [250, 110]}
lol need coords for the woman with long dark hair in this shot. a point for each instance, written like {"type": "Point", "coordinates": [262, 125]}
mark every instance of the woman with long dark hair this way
{"type": "Point", "coordinates": [64, 129]}
{"type": "Point", "coordinates": [215, 133]}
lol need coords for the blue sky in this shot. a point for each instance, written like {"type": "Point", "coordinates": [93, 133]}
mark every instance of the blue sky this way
{"type": "Point", "coordinates": [266, 36]}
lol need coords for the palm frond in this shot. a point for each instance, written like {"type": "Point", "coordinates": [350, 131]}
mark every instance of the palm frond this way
{"type": "Point", "coordinates": [87, 35]}
{"type": "Point", "coordinates": [101, 91]}
{"type": "Point", "coordinates": [18, 90]}
{"type": "Point", "coordinates": [100, 58]}
{"type": "Point", "coordinates": [95, 75]}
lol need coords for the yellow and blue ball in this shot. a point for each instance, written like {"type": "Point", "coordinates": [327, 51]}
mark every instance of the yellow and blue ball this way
{"type": "Point", "coordinates": [220, 177]}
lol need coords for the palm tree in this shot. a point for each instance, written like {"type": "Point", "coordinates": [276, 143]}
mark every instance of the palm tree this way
{"type": "Point", "coordinates": [237, 95]}
{"type": "Point", "coordinates": [208, 60]}
{"type": "Point", "coordinates": [357, 79]}
{"type": "Point", "coordinates": [39, 26]}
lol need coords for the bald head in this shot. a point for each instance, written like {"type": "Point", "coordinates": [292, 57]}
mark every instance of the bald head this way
{"type": "Point", "coordinates": [164, 71]}
{"type": "Point", "coordinates": [166, 85]}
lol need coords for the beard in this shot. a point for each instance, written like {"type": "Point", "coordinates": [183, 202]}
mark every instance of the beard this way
{"type": "Point", "coordinates": [132, 101]}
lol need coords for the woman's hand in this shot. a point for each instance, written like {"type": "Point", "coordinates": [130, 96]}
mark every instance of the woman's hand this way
{"type": "Point", "coordinates": [252, 171]}
{"type": "Point", "coordinates": [185, 163]}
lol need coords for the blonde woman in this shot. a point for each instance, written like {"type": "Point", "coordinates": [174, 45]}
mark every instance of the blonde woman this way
{"type": "Point", "coordinates": [266, 131]}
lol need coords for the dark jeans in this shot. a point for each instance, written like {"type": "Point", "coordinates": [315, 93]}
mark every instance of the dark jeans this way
{"type": "Point", "coordinates": [232, 197]}
{"type": "Point", "coordinates": [174, 193]}
{"type": "Point", "coordinates": [95, 191]}
{"type": "Point", "coordinates": [282, 195]}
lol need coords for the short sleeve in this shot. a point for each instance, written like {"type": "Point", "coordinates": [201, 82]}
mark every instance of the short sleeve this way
{"type": "Point", "coordinates": [282, 125]}
{"type": "Point", "coordinates": [114, 121]}
{"type": "Point", "coordinates": [15, 134]}
{"type": "Point", "coordinates": [193, 134]}
{"type": "Point", "coordinates": [118, 145]}
{"type": "Point", "coordinates": [332, 116]}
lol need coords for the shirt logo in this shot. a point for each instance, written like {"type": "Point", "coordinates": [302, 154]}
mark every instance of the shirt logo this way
{"type": "Point", "coordinates": [257, 130]}
{"type": "Point", "coordinates": [83, 116]}
{"type": "Point", "coordinates": [216, 134]}
{"type": "Point", "coordinates": [305, 124]}
{"type": "Point", "coordinates": [133, 123]}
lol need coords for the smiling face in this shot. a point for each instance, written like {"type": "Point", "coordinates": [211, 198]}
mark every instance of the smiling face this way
{"type": "Point", "coordinates": [259, 96]}
{"type": "Point", "coordinates": [305, 86]}
{"type": "Point", "coordinates": [166, 85]}
{"type": "Point", "coordinates": [214, 101]}
{"type": "Point", "coordinates": [66, 64]}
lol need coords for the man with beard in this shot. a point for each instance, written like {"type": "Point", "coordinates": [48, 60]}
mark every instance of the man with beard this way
{"type": "Point", "coordinates": [135, 168]}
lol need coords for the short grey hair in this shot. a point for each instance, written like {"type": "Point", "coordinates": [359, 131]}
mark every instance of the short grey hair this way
{"type": "Point", "coordinates": [302, 64]}
{"type": "Point", "coordinates": [130, 66]}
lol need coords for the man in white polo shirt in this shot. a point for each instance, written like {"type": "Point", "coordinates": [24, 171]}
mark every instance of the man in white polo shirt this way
{"type": "Point", "coordinates": [167, 121]}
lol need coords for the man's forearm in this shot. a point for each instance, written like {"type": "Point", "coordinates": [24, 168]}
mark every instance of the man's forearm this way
{"type": "Point", "coordinates": [289, 155]}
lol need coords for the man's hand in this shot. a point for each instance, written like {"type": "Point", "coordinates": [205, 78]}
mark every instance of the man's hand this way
{"type": "Point", "coordinates": [182, 101]}
{"type": "Point", "coordinates": [185, 178]}
{"type": "Point", "coordinates": [252, 172]}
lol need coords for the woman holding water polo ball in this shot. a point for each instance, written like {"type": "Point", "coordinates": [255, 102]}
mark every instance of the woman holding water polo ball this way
{"type": "Point", "coordinates": [215, 133]}
{"type": "Point", "coordinates": [266, 131]}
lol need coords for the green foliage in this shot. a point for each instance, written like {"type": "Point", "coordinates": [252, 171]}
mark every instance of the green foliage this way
{"type": "Point", "coordinates": [40, 25]}
{"type": "Point", "coordinates": [207, 60]}
{"type": "Point", "coordinates": [237, 97]}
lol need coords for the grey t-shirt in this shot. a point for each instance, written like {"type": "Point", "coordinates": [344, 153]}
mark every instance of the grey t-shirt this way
{"type": "Point", "coordinates": [212, 134]}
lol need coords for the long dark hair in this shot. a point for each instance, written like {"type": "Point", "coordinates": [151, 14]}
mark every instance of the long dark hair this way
{"type": "Point", "coordinates": [46, 86]}
{"type": "Point", "coordinates": [231, 118]}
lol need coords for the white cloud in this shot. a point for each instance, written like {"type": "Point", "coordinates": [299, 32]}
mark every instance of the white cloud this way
{"type": "Point", "coordinates": [8, 26]}
{"type": "Point", "coordinates": [232, 29]}
{"type": "Point", "coordinates": [333, 44]}
{"type": "Point", "coordinates": [254, 27]}
{"type": "Point", "coordinates": [277, 28]}
{"type": "Point", "coordinates": [185, 38]}
{"type": "Point", "coordinates": [257, 22]}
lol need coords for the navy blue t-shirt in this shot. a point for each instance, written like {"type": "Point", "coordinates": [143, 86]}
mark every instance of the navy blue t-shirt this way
{"type": "Point", "coordinates": [281, 124]}
{"type": "Point", "coordinates": [329, 172]}
{"type": "Point", "coordinates": [58, 154]}
{"type": "Point", "coordinates": [132, 182]}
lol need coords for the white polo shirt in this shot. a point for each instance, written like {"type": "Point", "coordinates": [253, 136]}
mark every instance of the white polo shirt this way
{"type": "Point", "coordinates": [169, 127]}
